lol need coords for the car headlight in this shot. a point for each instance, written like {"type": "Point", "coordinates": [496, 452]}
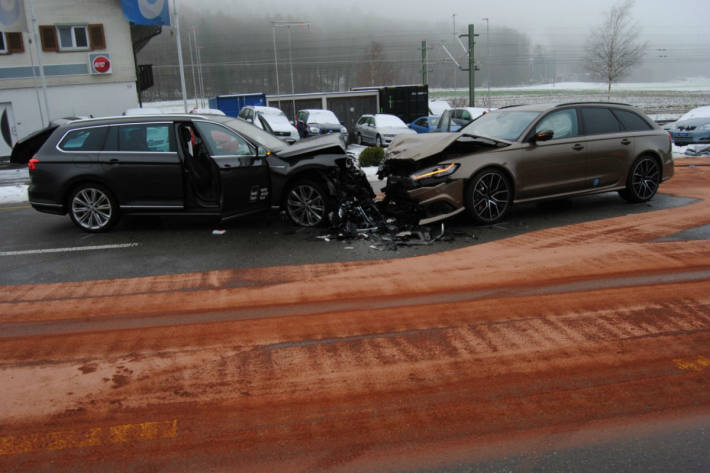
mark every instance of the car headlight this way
{"type": "Point", "coordinates": [313, 129]}
{"type": "Point", "coordinates": [442, 170]}
{"type": "Point", "coordinates": [343, 130]}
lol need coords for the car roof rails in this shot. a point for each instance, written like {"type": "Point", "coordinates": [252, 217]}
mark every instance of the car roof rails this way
{"type": "Point", "coordinates": [593, 103]}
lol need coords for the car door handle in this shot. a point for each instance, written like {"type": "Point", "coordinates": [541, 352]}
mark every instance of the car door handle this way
{"type": "Point", "coordinates": [578, 147]}
{"type": "Point", "coordinates": [625, 141]}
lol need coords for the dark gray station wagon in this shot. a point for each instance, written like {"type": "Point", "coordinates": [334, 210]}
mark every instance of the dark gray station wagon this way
{"type": "Point", "coordinates": [96, 170]}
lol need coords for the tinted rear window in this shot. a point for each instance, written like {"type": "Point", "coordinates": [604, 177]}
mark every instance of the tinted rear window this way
{"type": "Point", "coordinates": [87, 139]}
{"type": "Point", "coordinates": [632, 121]}
{"type": "Point", "coordinates": [598, 121]}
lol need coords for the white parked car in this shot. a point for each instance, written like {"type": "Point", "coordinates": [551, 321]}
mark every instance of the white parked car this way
{"type": "Point", "coordinates": [270, 119]}
{"type": "Point", "coordinates": [380, 129]}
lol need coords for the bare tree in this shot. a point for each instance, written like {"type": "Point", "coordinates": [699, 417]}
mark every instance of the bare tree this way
{"type": "Point", "coordinates": [613, 48]}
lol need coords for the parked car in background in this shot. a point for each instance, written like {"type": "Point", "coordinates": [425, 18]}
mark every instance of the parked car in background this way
{"type": "Point", "coordinates": [312, 122]}
{"type": "Point", "coordinates": [454, 119]}
{"type": "Point", "coordinates": [271, 120]}
{"type": "Point", "coordinates": [692, 128]}
{"type": "Point", "coordinates": [96, 170]}
{"type": "Point", "coordinates": [424, 124]}
{"type": "Point", "coordinates": [379, 129]}
{"type": "Point", "coordinates": [526, 154]}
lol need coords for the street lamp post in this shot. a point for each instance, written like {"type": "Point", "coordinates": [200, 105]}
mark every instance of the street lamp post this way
{"type": "Point", "coordinates": [287, 24]}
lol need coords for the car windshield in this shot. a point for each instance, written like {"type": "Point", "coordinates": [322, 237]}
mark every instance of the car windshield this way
{"type": "Point", "coordinates": [389, 120]}
{"type": "Point", "coordinates": [433, 121]}
{"type": "Point", "coordinates": [502, 125]}
{"type": "Point", "coordinates": [256, 134]}
{"type": "Point", "coordinates": [323, 116]}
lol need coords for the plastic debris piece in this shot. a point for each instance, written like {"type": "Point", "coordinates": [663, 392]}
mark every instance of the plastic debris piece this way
{"type": "Point", "coordinates": [219, 232]}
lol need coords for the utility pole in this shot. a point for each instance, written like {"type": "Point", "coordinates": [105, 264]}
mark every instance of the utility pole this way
{"type": "Point", "coordinates": [425, 66]}
{"type": "Point", "coordinates": [454, 34]}
{"type": "Point", "coordinates": [471, 68]}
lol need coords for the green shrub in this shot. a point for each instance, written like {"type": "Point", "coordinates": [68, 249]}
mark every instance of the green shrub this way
{"type": "Point", "coordinates": [371, 156]}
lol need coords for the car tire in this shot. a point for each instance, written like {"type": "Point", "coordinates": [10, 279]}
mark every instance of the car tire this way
{"type": "Point", "coordinates": [489, 196]}
{"type": "Point", "coordinates": [307, 203]}
{"type": "Point", "coordinates": [358, 139]}
{"type": "Point", "coordinates": [378, 141]}
{"type": "Point", "coordinates": [92, 208]}
{"type": "Point", "coordinates": [643, 180]}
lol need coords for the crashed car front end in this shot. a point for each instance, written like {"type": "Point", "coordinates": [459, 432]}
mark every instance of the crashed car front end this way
{"type": "Point", "coordinates": [426, 174]}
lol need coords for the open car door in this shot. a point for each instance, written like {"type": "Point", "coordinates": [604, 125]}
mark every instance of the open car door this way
{"type": "Point", "coordinates": [244, 179]}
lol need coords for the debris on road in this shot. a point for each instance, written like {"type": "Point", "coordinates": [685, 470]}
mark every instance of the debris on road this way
{"type": "Point", "coordinates": [219, 232]}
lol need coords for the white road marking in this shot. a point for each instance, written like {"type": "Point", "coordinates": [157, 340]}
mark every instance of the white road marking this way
{"type": "Point", "coordinates": [68, 250]}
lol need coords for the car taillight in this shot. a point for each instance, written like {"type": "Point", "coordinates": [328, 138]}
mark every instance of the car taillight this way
{"type": "Point", "coordinates": [32, 164]}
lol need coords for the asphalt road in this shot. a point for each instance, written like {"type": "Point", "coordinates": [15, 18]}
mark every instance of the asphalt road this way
{"type": "Point", "coordinates": [147, 246]}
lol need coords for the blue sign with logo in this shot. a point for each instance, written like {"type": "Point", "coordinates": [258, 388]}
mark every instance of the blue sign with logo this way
{"type": "Point", "coordinates": [147, 12]}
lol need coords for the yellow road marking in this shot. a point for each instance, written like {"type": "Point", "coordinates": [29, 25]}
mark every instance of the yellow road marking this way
{"type": "Point", "coordinates": [692, 365]}
{"type": "Point", "coordinates": [98, 436]}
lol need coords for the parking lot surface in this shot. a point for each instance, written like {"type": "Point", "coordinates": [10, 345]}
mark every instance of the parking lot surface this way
{"type": "Point", "coordinates": [573, 337]}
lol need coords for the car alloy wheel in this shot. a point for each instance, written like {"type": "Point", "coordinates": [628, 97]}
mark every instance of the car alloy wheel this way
{"type": "Point", "coordinates": [306, 204]}
{"type": "Point", "coordinates": [643, 181]}
{"type": "Point", "coordinates": [92, 209]}
{"type": "Point", "coordinates": [378, 141]}
{"type": "Point", "coordinates": [489, 196]}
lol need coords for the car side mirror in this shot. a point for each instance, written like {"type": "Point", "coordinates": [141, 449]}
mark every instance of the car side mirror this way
{"type": "Point", "coordinates": [544, 135]}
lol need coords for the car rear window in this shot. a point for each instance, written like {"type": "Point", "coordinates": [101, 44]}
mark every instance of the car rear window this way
{"type": "Point", "coordinates": [599, 120]}
{"type": "Point", "coordinates": [86, 139]}
{"type": "Point", "coordinates": [632, 121]}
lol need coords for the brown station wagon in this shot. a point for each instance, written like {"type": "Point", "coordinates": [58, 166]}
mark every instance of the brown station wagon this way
{"type": "Point", "coordinates": [525, 154]}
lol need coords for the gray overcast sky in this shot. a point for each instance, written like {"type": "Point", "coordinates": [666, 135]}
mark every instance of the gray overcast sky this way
{"type": "Point", "coordinates": [662, 21]}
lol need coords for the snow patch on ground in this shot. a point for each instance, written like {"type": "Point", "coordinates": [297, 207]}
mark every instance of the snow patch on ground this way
{"type": "Point", "coordinates": [692, 84]}
{"type": "Point", "coordinates": [13, 194]}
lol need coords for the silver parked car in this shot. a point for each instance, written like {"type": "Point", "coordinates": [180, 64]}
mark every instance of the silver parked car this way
{"type": "Point", "coordinates": [379, 129]}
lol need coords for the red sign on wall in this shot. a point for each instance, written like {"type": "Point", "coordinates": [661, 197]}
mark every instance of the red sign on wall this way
{"type": "Point", "coordinates": [100, 63]}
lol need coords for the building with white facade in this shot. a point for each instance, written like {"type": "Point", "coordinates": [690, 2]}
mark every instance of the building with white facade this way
{"type": "Point", "coordinates": [87, 54]}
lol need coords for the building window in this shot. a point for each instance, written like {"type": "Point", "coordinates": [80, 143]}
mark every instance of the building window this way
{"type": "Point", "coordinates": [72, 38]}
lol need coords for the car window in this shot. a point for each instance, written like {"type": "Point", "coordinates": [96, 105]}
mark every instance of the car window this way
{"type": "Point", "coordinates": [504, 124]}
{"type": "Point", "coordinates": [371, 121]}
{"type": "Point", "coordinates": [87, 139]}
{"type": "Point", "coordinates": [223, 142]}
{"type": "Point", "coordinates": [632, 121]}
{"type": "Point", "coordinates": [465, 115]}
{"type": "Point", "coordinates": [598, 121]}
{"type": "Point", "coordinates": [563, 124]}
{"type": "Point", "coordinates": [421, 122]}
{"type": "Point", "coordinates": [153, 138]}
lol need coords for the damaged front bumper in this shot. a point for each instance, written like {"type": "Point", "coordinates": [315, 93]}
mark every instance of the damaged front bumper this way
{"type": "Point", "coordinates": [423, 201]}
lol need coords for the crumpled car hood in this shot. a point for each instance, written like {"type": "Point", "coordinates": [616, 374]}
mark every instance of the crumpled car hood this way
{"type": "Point", "coordinates": [421, 146]}
{"type": "Point", "coordinates": [333, 143]}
